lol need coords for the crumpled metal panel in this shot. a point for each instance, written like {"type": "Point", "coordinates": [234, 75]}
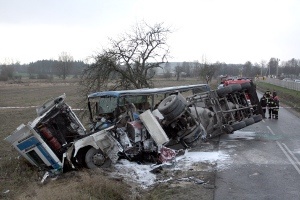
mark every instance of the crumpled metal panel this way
{"type": "Point", "coordinates": [154, 128]}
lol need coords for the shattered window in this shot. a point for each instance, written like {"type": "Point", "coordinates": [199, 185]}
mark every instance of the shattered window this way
{"type": "Point", "coordinates": [107, 105]}
{"type": "Point", "coordinates": [35, 158]}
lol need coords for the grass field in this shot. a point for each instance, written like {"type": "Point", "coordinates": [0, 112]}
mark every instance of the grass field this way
{"type": "Point", "coordinates": [20, 180]}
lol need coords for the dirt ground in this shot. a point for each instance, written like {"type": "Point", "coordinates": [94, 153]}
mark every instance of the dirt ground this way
{"type": "Point", "coordinates": [20, 180]}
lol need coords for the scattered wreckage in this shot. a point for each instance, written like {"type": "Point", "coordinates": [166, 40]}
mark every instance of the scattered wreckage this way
{"type": "Point", "coordinates": [139, 125]}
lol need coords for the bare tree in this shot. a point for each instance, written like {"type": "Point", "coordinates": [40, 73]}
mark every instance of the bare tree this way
{"type": "Point", "coordinates": [7, 72]}
{"type": "Point", "coordinates": [273, 66]}
{"type": "Point", "coordinates": [263, 64]}
{"type": "Point", "coordinates": [130, 61]}
{"type": "Point", "coordinates": [186, 67]}
{"type": "Point", "coordinates": [178, 70]}
{"type": "Point", "coordinates": [196, 68]}
{"type": "Point", "coordinates": [64, 65]}
{"type": "Point", "coordinates": [247, 69]}
{"type": "Point", "coordinates": [207, 72]}
{"type": "Point", "coordinates": [167, 70]}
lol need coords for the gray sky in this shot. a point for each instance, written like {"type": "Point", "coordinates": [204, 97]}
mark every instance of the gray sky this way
{"type": "Point", "coordinates": [230, 31]}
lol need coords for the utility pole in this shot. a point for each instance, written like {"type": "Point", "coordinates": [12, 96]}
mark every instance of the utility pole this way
{"type": "Point", "coordinates": [277, 67]}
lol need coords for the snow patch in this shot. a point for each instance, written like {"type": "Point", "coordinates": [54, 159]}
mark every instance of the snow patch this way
{"type": "Point", "coordinates": [185, 161]}
{"type": "Point", "coordinates": [242, 135]}
{"type": "Point", "coordinates": [140, 173]}
{"type": "Point", "coordinates": [133, 171]}
{"type": "Point", "coordinates": [190, 157]}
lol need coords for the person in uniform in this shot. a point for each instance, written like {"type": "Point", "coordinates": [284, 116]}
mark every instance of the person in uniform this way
{"type": "Point", "coordinates": [276, 105]}
{"type": "Point", "coordinates": [263, 104]}
{"type": "Point", "coordinates": [268, 96]}
{"type": "Point", "coordinates": [268, 93]}
{"type": "Point", "coordinates": [271, 105]}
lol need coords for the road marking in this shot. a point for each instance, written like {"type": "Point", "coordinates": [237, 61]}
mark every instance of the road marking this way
{"type": "Point", "coordinates": [270, 130]}
{"type": "Point", "coordinates": [291, 153]}
{"type": "Point", "coordinates": [286, 153]}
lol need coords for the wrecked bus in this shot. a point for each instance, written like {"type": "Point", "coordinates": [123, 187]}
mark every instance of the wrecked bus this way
{"type": "Point", "coordinates": [139, 125]}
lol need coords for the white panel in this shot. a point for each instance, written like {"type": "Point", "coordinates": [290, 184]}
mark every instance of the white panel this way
{"type": "Point", "coordinates": [154, 128]}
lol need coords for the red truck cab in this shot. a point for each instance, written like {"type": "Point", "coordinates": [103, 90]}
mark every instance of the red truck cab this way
{"type": "Point", "coordinates": [236, 81]}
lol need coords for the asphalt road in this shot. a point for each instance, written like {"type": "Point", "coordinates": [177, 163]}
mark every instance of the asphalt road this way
{"type": "Point", "coordinates": [263, 161]}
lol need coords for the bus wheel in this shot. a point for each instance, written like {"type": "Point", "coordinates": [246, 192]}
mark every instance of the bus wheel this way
{"type": "Point", "coordinates": [95, 158]}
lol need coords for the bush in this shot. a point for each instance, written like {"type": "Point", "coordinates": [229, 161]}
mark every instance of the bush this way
{"type": "Point", "coordinates": [42, 76]}
{"type": "Point", "coordinates": [3, 78]}
{"type": "Point", "coordinates": [18, 78]}
{"type": "Point", "coordinates": [32, 76]}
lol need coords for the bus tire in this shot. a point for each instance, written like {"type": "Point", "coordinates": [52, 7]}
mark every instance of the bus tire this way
{"type": "Point", "coordinates": [94, 158]}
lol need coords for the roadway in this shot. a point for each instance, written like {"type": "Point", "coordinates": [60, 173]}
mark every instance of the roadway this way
{"type": "Point", "coordinates": [263, 161]}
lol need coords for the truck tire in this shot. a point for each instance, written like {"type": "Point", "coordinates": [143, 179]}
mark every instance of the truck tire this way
{"type": "Point", "coordinates": [175, 113]}
{"type": "Point", "coordinates": [238, 125]}
{"type": "Point", "coordinates": [249, 121]}
{"type": "Point", "coordinates": [193, 136]}
{"type": "Point", "coordinates": [168, 104]}
{"type": "Point", "coordinates": [236, 87]}
{"type": "Point", "coordinates": [246, 85]}
{"type": "Point", "coordinates": [94, 158]}
{"type": "Point", "coordinates": [257, 118]}
{"type": "Point", "coordinates": [221, 92]}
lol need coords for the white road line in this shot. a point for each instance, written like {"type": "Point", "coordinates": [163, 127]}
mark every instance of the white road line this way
{"type": "Point", "coordinates": [286, 153]}
{"type": "Point", "coordinates": [291, 153]}
{"type": "Point", "coordinates": [270, 130]}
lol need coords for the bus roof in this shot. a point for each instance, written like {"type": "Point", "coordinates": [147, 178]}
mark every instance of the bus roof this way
{"type": "Point", "coordinates": [149, 91]}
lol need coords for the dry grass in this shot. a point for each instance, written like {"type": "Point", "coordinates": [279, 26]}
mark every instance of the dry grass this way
{"type": "Point", "coordinates": [78, 185]}
{"type": "Point", "coordinates": [35, 93]}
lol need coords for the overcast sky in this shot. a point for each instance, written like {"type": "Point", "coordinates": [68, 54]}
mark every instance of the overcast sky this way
{"type": "Point", "coordinates": [230, 31]}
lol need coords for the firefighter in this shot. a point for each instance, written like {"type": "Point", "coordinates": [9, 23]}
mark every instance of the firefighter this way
{"type": "Point", "coordinates": [263, 104]}
{"type": "Point", "coordinates": [276, 105]}
{"type": "Point", "coordinates": [271, 105]}
{"type": "Point", "coordinates": [267, 94]}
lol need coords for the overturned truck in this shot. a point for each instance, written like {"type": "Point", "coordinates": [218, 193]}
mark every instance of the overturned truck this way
{"type": "Point", "coordinates": [138, 125]}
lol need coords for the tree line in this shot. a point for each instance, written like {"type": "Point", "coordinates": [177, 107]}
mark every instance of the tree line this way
{"type": "Point", "coordinates": [48, 68]}
{"type": "Point", "coordinates": [43, 69]}
{"type": "Point", "coordinates": [207, 71]}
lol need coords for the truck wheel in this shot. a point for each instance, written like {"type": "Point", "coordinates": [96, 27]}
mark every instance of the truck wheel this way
{"type": "Point", "coordinates": [95, 158]}
{"type": "Point", "coordinates": [249, 121]}
{"type": "Point", "coordinates": [221, 92]}
{"type": "Point", "coordinates": [236, 87]}
{"type": "Point", "coordinates": [238, 125]}
{"type": "Point", "coordinates": [192, 137]}
{"type": "Point", "coordinates": [168, 104]}
{"type": "Point", "coordinates": [257, 118]}
{"type": "Point", "coordinates": [246, 85]}
{"type": "Point", "coordinates": [175, 113]}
